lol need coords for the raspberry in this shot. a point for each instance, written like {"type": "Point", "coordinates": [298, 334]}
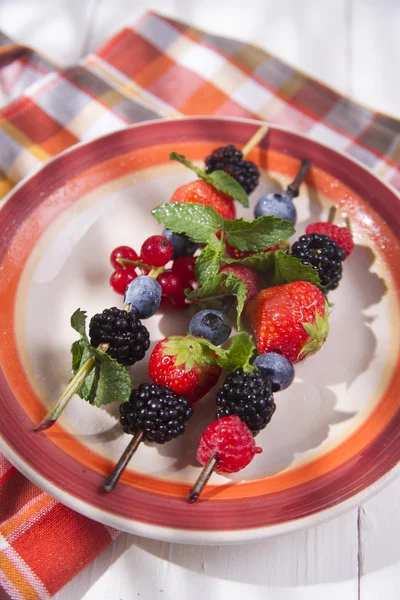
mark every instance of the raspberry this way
{"type": "Point", "coordinates": [249, 396]}
{"type": "Point", "coordinates": [120, 280]}
{"type": "Point", "coordinates": [252, 279]}
{"type": "Point", "coordinates": [236, 253]}
{"type": "Point", "coordinates": [341, 235]}
{"type": "Point", "coordinates": [124, 252]}
{"type": "Point", "coordinates": [128, 339]}
{"type": "Point", "coordinates": [230, 160]}
{"type": "Point", "coordinates": [323, 254]}
{"type": "Point", "coordinates": [156, 251]}
{"type": "Point", "coordinates": [231, 441]}
{"type": "Point", "coordinates": [157, 411]}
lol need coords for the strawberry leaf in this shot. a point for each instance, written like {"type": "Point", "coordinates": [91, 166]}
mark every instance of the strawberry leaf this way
{"type": "Point", "coordinates": [190, 350]}
{"type": "Point", "coordinates": [207, 264]}
{"type": "Point", "coordinates": [289, 268]}
{"type": "Point", "coordinates": [239, 353]}
{"type": "Point", "coordinates": [197, 221]}
{"type": "Point", "coordinates": [317, 331]}
{"type": "Point", "coordinates": [260, 234]}
{"type": "Point", "coordinates": [220, 286]}
{"type": "Point", "coordinates": [223, 182]}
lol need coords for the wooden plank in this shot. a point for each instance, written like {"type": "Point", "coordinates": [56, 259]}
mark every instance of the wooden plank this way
{"type": "Point", "coordinates": [315, 563]}
{"type": "Point", "coordinates": [379, 545]}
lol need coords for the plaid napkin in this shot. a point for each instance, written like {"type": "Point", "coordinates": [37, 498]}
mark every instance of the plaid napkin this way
{"type": "Point", "coordinates": [157, 68]}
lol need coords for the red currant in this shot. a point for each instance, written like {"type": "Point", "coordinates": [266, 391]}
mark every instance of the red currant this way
{"type": "Point", "coordinates": [156, 251]}
{"type": "Point", "coordinates": [123, 252]}
{"type": "Point", "coordinates": [120, 279]}
{"type": "Point", "coordinates": [179, 300]}
{"type": "Point", "coordinates": [183, 268]}
{"type": "Point", "coordinates": [170, 283]}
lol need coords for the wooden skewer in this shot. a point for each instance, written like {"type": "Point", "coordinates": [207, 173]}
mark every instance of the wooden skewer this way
{"type": "Point", "coordinates": [121, 465]}
{"type": "Point", "coordinates": [254, 140]}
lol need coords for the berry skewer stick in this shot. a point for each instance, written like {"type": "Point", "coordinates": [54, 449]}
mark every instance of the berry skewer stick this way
{"type": "Point", "coordinates": [71, 389]}
{"type": "Point", "coordinates": [254, 140]}
{"type": "Point", "coordinates": [280, 204]}
{"type": "Point", "coordinates": [125, 458]}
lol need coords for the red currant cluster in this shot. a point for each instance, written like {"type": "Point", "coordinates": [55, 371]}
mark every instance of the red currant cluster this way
{"type": "Point", "coordinates": [156, 252]}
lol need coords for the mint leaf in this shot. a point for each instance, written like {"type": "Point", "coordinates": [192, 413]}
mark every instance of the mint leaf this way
{"type": "Point", "coordinates": [288, 268]}
{"type": "Point", "coordinates": [223, 284]}
{"type": "Point", "coordinates": [219, 179]}
{"type": "Point", "coordinates": [77, 350]}
{"type": "Point", "coordinates": [239, 353]}
{"type": "Point", "coordinates": [78, 322]}
{"type": "Point", "coordinates": [197, 221]}
{"type": "Point", "coordinates": [262, 261]}
{"type": "Point", "coordinates": [188, 163]}
{"type": "Point", "coordinates": [226, 183]}
{"type": "Point", "coordinates": [114, 383]}
{"type": "Point", "coordinates": [260, 234]}
{"type": "Point", "coordinates": [208, 263]}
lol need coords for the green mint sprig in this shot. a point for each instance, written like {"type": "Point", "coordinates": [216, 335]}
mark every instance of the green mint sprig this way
{"type": "Point", "coordinates": [108, 381]}
{"type": "Point", "coordinates": [222, 181]}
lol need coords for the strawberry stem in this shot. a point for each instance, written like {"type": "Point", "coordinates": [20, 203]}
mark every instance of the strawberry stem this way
{"type": "Point", "coordinates": [121, 465]}
{"type": "Point", "coordinates": [254, 140]}
{"type": "Point", "coordinates": [203, 478]}
{"type": "Point", "coordinates": [71, 389]}
{"type": "Point", "coordinates": [293, 188]}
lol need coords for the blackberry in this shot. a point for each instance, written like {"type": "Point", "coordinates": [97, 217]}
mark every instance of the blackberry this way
{"type": "Point", "coordinates": [128, 339]}
{"type": "Point", "coordinates": [248, 396]}
{"type": "Point", "coordinates": [323, 254]}
{"type": "Point", "coordinates": [230, 160]}
{"type": "Point", "coordinates": [157, 411]}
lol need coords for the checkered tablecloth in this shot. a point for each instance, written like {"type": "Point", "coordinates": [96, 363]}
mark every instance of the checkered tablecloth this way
{"type": "Point", "coordinates": [158, 67]}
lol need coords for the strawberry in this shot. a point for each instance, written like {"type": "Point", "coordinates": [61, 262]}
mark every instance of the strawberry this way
{"type": "Point", "coordinates": [252, 279]}
{"type": "Point", "coordinates": [186, 365]}
{"type": "Point", "coordinates": [291, 319]}
{"type": "Point", "coordinates": [201, 192]}
{"type": "Point", "coordinates": [341, 235]}
{"type": "Point", "coordinates": [236, 253]}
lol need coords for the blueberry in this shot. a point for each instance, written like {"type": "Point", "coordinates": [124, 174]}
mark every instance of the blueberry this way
{"type": "Point", "coordinates": [144, 296]}
{"type": "Point", "coordinates": [180, 243]}
{"type": "Point", "coordinates": [278, 205]}
{"type": "Point", "coordinates": [277, 368]}
{"type": "Point", "coordinates": [213, 325]}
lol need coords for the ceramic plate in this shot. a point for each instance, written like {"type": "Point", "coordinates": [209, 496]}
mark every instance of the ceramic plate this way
{"type": "Point", "coordinates": [335, 432]}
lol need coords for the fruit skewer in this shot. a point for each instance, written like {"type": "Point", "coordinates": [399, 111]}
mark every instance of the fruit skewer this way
{"type": "Point", "coordinates": [283, 337]}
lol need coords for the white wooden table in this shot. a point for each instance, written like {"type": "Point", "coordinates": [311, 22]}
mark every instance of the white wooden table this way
{"type": "Point", "coordinates": [354, 46]}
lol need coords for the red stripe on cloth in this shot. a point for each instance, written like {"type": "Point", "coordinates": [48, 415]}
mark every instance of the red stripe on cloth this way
{"type": "Point", "coordinates": [60, 545]}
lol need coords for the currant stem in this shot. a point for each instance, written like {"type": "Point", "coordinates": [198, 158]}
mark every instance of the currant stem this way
{"type": "Point", "coordinates": [293, 188]}
{"type": "Point", "coordinates": [156, 271]}
{"type": "Point", "coordinates": [126, 456]}
{"type": "Point", "coordinates": [203, 478]}
{"type": "Point", "coordinates": [332, 213]}
{"type": "Point", "coordinates": [254, 140]}
{"type": "Point", "coordinates": [69, 391]}
{"type": "Point", "coordinates": [136, 263]}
